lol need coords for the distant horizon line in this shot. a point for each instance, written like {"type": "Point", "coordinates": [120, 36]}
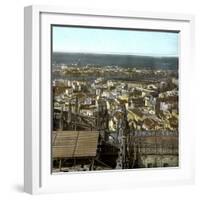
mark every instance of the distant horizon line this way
{"type": "Point", "coordinates": [116, 53]}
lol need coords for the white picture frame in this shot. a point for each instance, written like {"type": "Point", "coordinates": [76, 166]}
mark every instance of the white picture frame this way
{"type": "Point", "coordinates": [37, 147]}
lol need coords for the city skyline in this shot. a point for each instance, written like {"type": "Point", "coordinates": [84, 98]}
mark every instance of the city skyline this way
{"type": "Point", "coordinates": [113, 112]}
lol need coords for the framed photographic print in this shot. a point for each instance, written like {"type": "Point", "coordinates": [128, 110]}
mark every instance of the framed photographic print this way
{"type": "Point", "coordinates": [106, 99]}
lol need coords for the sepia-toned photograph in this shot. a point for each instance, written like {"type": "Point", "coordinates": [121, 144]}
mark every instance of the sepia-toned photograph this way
{"type": "Point", "coordinates": [114, 99]}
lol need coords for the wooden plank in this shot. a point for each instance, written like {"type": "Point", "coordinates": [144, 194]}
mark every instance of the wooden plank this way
{"type": "Point", "coordinates": [72, 144]}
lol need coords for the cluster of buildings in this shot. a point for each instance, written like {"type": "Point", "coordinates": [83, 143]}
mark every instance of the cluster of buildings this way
{"type": "Point", "coordinates": [122, 111]}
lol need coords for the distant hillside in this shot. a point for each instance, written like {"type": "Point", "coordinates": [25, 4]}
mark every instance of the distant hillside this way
{"type": "Point", "coordinates": [136, 61]}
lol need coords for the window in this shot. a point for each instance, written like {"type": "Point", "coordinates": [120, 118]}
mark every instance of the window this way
{"type": "Point", "coordinates": [165, 165]}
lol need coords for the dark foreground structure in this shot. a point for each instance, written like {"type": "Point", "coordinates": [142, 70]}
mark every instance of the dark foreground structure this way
{"type": "Point", "coordinates": [88, 150]}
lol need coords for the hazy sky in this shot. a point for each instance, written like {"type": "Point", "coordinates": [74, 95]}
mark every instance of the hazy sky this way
{"type": "Point", "coordinates": [94, 40]}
